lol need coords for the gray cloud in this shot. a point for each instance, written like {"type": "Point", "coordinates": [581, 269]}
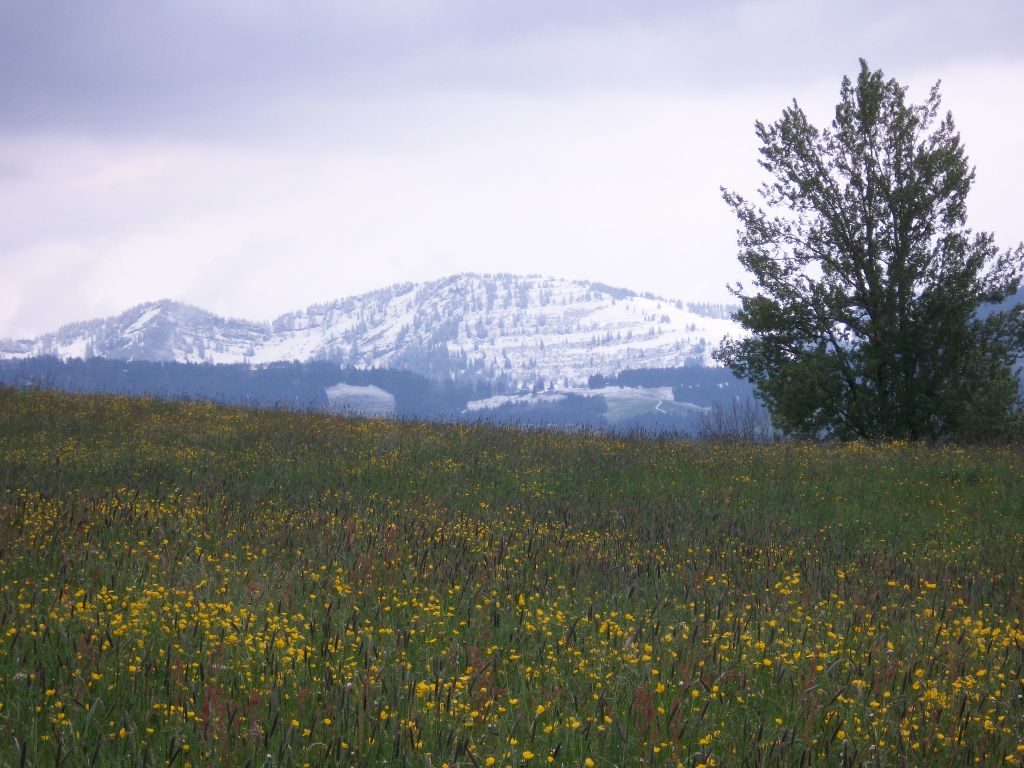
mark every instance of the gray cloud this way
{"type": "Point", "coordinates": [260, 155]}
{"type": "Point", "coordinates": [200, 67]}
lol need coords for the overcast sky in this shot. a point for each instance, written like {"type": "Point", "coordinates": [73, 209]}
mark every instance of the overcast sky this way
{"type": "Point", "coordinates": [257, 156]}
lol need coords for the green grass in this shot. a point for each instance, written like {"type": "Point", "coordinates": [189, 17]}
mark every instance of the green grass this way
{"type": "Point", "coordinates": [185, 584]}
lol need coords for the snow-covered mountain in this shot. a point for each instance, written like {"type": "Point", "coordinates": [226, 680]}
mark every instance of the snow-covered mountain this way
{"type": "Point", "coordinates": [507, 329]}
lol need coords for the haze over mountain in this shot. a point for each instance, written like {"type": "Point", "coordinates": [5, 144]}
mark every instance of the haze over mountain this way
{"type": "Point", "coordinates": [505, 329]}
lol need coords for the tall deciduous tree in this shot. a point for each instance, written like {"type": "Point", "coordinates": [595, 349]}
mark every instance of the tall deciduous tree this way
{"type": "Point", "coordinates": [869, 316]}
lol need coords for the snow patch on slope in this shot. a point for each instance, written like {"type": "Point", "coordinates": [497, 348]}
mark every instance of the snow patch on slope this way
{"type": "Point", "coordinates": [368, 400]}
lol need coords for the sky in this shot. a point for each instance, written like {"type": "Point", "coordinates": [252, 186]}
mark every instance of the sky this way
{"type": "Point", "coordinates": [254, 157]}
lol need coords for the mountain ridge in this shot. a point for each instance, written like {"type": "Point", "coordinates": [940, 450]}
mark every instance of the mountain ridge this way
{"type": "Point", "coordinates": [508, 329]}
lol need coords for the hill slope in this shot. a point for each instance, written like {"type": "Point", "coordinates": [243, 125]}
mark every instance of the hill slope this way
{"type": "Point", "coordinates": [505, 329]}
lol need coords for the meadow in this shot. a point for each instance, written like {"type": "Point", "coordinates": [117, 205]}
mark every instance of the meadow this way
{"type": "Point", "coordinates": [183, 584]}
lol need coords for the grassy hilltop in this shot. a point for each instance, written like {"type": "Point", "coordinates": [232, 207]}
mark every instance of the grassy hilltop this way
{"type": "Point", "coordinates": [186, 584]}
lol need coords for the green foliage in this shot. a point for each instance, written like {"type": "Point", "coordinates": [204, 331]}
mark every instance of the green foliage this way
{"type": "Point", "coordinates": [868, 284]}
{"type": "Point", "coordinates": [189, 585]}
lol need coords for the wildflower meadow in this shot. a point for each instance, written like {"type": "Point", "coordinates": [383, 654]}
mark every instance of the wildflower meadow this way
{"type": "Point", "coordinates": [184, 584]}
